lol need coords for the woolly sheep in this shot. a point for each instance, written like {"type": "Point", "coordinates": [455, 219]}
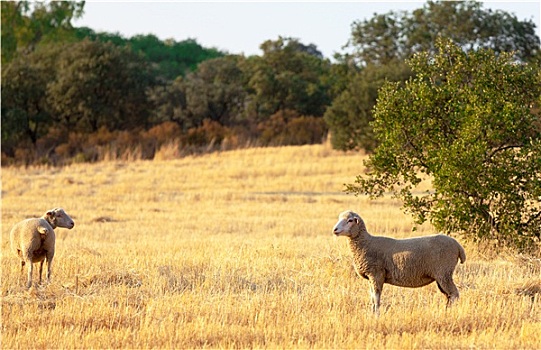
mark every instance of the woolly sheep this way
{"type": "Point", "coordinates": [413, 262]}
{"type": "Point", "coordinates": [33, 240]}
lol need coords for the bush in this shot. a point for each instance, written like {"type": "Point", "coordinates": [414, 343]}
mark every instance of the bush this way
{"type": "Point", "coordinates": [209, 134]}
{"type": "Point", "coordinates": [306, 130]}
{"type": "Point", "coordinates": [288, 128]}
{"type": "Point", "coordinates": [60, 146]}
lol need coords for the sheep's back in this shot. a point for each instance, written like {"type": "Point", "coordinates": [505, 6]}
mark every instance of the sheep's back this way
{"type": "Point", "coordinates": [26, 236]}
{"type": "Point", "coordinates": [415, 262]}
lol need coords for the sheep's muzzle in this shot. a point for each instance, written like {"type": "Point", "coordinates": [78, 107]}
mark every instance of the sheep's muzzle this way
{"type": "Point", "coordinates": [337, 230]}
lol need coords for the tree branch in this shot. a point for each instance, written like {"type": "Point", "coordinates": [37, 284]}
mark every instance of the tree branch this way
{"type": "Point", "coordinates": [500, 149]}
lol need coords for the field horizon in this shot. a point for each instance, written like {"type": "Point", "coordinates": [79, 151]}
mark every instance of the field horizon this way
{"type": "Point", "coordinates": [234, 249]}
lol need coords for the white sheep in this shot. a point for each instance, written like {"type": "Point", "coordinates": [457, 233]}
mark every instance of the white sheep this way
{"type": "Point", "coordinates": [33, 240]}
{"type": "Point", "coordinates": [413, 262]}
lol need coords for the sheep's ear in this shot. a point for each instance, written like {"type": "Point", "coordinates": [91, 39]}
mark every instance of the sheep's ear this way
{"type": "Point", "coordinates": [357, 221]}
{"type": "Point", "coordinates": [51, 213]}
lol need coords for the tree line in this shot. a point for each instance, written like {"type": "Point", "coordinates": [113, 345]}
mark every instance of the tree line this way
{"type": "Point", "coordinates": [72, 94]}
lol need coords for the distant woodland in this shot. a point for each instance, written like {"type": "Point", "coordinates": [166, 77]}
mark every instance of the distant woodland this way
{"type": "Point", "coordinates": [75, 95]}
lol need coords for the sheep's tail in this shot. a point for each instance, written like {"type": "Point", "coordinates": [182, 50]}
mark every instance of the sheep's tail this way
{"type": "Point", "coordinates": [461, 253]}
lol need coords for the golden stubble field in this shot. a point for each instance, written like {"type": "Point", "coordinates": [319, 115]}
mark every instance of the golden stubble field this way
{"type": "Point", "coordinates": [234, 250]}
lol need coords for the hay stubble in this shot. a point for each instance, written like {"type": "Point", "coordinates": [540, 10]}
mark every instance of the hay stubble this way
{"type": "Point", "coordinates": [234, 249]}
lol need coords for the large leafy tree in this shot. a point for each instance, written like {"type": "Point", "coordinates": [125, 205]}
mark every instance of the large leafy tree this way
{"type": "Point", "coordinates": [350, 113]}
{"type": "Point", "coordinates": [25, 109]}
{"type": "Point", "coordinates": [98, 84]}
{"type": "Point", "coordinates": [215, 91]}
{"type": "Point", "coordinates": [469, 123]}
{"type": "Point", "coordinates": [382, 43]}
{"type": "Point", "coordinates": [27, 24]}
{"type": "Point", "coordinates": [170, 104]}
{"type": "Point", "coordinates": [171, 58]}
{"type": "Point", "coordinates": [398, 35]}
{"type": "Point", "coordinates": [471, 27]}
{"type": "Point", "coordinates": [289, 76]}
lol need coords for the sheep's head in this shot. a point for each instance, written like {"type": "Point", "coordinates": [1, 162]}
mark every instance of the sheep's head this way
{"type": "Point", "coordinates": [57, 217]}
{"type": "Point", "coordinates": [349, 224]}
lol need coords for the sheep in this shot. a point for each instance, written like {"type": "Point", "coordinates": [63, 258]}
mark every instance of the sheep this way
{"type": "Point", "coordinates": [33, 240]}
{"type": "Point", "coordinates": [413, 262]}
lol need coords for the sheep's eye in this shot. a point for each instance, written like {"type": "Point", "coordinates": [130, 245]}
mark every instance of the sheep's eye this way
{"type": "Point", "coordinates": [350, 220]}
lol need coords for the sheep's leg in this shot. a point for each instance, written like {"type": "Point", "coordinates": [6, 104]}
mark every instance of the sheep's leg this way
{"type": "Point", "coordinates": [376, 286]}
{"type": "Point", "coordinates": [29, 277]}
{"type": "Point", "coordinates": [449, 289]}
{"type": "Point", "coordinates": [22, 268]}
{"type": "Point", "coordinates": [40, 270]}
{"type": "Point", "coordinates": [50, 256]}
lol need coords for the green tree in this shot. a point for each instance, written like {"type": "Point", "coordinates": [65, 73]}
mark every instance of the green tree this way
{"type": "Point", "coordinates": [350, 114]}
{"type": "Point", "coordinates": [170, 104]}
{"type": "Point", "coordinates": [383, 42]}
{"type": "Point", "coordinates": [468, 122]}
{"type": "Point", "coordinates": [98, 84]}
{"type": "Point", "coordinates": [25, 109]}
{"type": "Point", "coordinates": [216, 90]}
{"type": "Point", "coordinates": [398, 35]}
{"type": "Point", "coordinates": [289, 76]}
{"type": "Point", "coordinates": [26, 24]}
{"type": "Point", "coordinates": [171, 58]}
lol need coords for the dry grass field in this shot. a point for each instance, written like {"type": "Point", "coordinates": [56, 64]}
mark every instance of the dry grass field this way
{"type": "Point", "coordinates": [235, 250]}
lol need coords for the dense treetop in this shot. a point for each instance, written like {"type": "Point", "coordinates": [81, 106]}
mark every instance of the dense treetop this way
{"type": "Point", "coordinates": [171, 58]}
{"type": "Point", "coordinates": [398, 35]}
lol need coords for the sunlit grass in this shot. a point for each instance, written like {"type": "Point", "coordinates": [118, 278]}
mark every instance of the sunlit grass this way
{"type": "Point", "coordinates": [234, 250]}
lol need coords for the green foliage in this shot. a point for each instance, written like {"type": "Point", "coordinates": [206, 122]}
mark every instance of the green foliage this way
{"type": "Point", "coordinates": [289, 76]}
{"type": "Point", "coordinates": [90, 89]}
{"type": "Point", "coordinates": [98, 84]}
{"type": "Point", "coordinates": [170, 104]}
{"type": "Point", "coordinates": [467, 122]}
{"type": "Point", "coordinates": [25, 109]}
{"type": "Point", "coordinates": [215, 91]}
{"type": "Point", "coordinates": [63, 85]}
{"type": "Point", "coordinates": [383, 43]}
{"type": "Point", "coordinates": [235, 91]}
{"type": "Point", "coordinates": [79, 87]}
{"type": "Point", "coordinates": [171, 58]}
{"type": "Point", "coordinates": [398, 35]}
{"type": "Point", "coordinates": [25, 25]}
{"type": "Point", "coordinates": [350, 114]}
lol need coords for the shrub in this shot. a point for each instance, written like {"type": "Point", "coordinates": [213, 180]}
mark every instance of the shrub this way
{"type": "Point", "coordinates": [209, 134]}
{"type": "Point", "coordinates": [288, 128]}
